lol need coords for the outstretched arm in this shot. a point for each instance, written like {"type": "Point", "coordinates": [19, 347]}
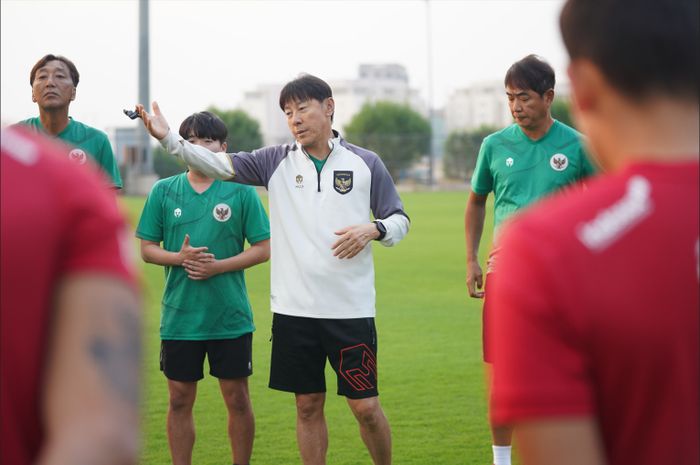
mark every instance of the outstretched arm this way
{"type": "Point", "coordinates": [217, 165]}
{"type": "Point", "coordinates": [473, 228]}
{"type": "Point", "coordinates": [92, 379]}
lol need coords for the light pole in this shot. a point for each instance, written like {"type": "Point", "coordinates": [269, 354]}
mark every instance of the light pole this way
{"type": "Point", "coordinates": [429, 47]}
{"type": "Point", "coordinates": [145, 163]}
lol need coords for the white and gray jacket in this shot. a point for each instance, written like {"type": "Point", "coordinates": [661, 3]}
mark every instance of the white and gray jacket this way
{"type": "Point", "coordinates": [306, 208]}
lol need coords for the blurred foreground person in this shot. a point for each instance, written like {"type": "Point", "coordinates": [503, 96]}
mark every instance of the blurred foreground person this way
{"type": "Point", "coordinates": [595, 311]}
{"type": "Point", "coordinates": [70, 331]}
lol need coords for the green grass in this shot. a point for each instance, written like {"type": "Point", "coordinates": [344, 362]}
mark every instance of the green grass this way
{"type": "Point", "coordinates": [431, 375]}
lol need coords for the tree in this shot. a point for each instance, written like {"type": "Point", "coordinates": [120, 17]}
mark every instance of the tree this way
{"type": "Point", "coordinates": [398, 134]}
{"type": "Point", "coordinates": [461, 151]}
{"type": "Point", "coordinates": [165, 164]}
{"type": "Point", "coordinates": [561, 111]}
{"type": "Point", "coordinates": [243, 131]}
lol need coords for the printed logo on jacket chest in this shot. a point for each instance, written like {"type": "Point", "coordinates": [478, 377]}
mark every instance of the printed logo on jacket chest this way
{"type": "Point", "coordinates": [342, 181]}
{"type": "Point", "coordinates": [559, 162]}
{"type": "Point", "coordinates": [221, 212]}
{"type": "Point", "coordinates": [300, 181]}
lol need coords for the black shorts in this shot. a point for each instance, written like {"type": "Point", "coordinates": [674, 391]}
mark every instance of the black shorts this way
{"type": "Point", "coordinates": [228, 358]}
{"type": "Point", "coordinates": [301, 345]}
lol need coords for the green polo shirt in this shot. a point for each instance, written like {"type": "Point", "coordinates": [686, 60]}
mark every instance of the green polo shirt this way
{"type": "Point", "coordinates": [520, 171]}
{"type": "Point", "coordinates": [222, 218]}
{"type": "Point", "coordinates": [87, 140]}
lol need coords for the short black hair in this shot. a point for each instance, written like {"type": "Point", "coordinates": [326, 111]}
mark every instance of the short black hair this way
{"type": "Point", "coordinates": [641, 46]}
{"type": "Point", "coordinates": [204, 124]}
{"type": "Point", "coordinates": [303, 88]}
{"type": "Point", "coordinates": [74, 75]}
{"type": "Point", "coordinates": [531, 73]}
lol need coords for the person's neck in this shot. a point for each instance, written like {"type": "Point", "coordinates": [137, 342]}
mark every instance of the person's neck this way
{"type": "Point", "coordinates": [321, 149]}
{"type": "Point", "coordinates": [660, 131]}
{"type": "Point", "coordinates": [199, 181]}
{"type": "Point", "coordinates": [54, 121]}
{"type": "Point", "coordinates": [540, 131]}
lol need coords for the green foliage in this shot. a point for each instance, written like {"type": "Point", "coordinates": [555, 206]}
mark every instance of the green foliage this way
{"type": "Point", "coordinates": [561, 111]}
{"type": "Point", "coordinates": [432, 386]}
{"type": "Point", "coordinates": [243, 131]}
{"type": "Point", "coordinates": [165, 164]}
{"type": "Point", "coordinates": [461, 151]}
{"type": "Point", "coordinates": [398, 134]}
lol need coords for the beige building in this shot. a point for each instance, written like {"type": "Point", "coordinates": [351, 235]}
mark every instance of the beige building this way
{"type": "Point", "coordinates": [483, 103]}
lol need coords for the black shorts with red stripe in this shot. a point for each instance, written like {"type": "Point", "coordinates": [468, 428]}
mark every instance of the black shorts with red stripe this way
{"type": "Point", "coordinates": [300, 347]}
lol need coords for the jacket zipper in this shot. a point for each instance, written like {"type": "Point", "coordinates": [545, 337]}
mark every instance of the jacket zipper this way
{"type": "Point", "coordinates": [318, 173]}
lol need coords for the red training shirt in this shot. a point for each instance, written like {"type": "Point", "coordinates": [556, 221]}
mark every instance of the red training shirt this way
{"type": "Point", "coordinates": [595, 313]}
{"type": "Point", "coordinates": [57, 218]}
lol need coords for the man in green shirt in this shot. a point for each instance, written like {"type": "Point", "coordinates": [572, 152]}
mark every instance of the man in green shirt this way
{"type": "Point", "coordinates": [54, 80]}
{"type": "Point", "coordinates": [520, 164]}
{"type": "Point", "coordinates": [203, 224]}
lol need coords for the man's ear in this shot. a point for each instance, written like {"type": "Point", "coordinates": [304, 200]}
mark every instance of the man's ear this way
{"type": "Point", "coordinates": [548, 96]}
{"type": "Point", "coordinates": [72, 97]}
{"type": "Point", "coordinates": [588, 85]}
{"type": "Point", "coordinates": [224, 146]}
{"type": "Point", "coordinates": [329, 106]}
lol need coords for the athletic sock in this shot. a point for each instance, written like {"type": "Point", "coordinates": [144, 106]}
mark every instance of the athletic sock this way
{"type": "Point", "coordinates": [501, 455]}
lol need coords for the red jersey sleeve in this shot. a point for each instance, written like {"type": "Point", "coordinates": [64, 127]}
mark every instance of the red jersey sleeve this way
{"type": "Point", "coordinates": [540, 366]}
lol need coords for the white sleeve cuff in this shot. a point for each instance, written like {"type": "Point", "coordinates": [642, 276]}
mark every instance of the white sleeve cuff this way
{"type": "Point", "coordinates": [396, 228]}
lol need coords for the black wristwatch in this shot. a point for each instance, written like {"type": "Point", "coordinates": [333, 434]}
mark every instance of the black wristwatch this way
{"type": "Point", "coordinates": [381, 228]}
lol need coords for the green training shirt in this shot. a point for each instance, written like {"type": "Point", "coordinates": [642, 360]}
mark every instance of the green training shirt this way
{"type": "Point", "coordinates": [519, 170]}
{"type": "Point", "coordinates": [87, 140]}
{"type": "Point", "coordinates": [222, 218]}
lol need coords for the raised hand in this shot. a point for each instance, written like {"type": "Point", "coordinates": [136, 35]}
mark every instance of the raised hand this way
{"type": "Point", "coordinates": [156, 123]}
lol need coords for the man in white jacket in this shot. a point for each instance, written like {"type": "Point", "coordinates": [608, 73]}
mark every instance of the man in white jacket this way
{"type": "Point", "coordinates": [321, 190]}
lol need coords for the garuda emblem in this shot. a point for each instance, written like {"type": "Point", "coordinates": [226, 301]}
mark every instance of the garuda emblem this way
{"type": "Point", "coordinates": [342, 181]}
{"type": "Point", "coordinates": [559, 162]}
{"type": "Point", "coordinates": [222, 212]}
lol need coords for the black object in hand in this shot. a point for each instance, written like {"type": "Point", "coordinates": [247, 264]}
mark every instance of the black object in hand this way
{"type": "Point", "coordinates": [131, 114]}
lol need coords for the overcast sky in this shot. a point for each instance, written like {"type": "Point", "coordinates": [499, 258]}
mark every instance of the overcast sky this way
{"type": "Point", "coordinates": [211, 52]}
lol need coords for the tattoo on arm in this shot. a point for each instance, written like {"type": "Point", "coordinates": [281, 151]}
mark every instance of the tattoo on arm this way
{"type": "Point", "coordinates": [117, 354]}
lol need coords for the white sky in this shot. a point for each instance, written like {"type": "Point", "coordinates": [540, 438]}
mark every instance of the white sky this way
{"type": "Point", "coordinates": [210, 52]}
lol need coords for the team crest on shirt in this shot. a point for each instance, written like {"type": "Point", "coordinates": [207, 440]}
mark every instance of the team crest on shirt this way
{"type": "Point", "coordinates": [559, 162]}
{"type": "Point", "coordinates": [300, 181]}
{"type": "Point", "coordinates": [509, 161]}
{"type": "Point", "coordinates": [342, 181]}
{"type": "Point", "coordinates": [177, 213]}
{"type": "Point", "coordinates": [77, 156]}
{"type": "Point", "coordinates": [222, 212]}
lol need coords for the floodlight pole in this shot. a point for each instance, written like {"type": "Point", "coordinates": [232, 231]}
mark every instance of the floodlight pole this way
{"type": "Point", "coordinates": [429, 47]}
{"type": "Point", "coordinates": [145, 164]}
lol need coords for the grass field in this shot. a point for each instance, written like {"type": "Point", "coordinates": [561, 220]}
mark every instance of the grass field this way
{"type": "Point", "coordinates": [431, 375]}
